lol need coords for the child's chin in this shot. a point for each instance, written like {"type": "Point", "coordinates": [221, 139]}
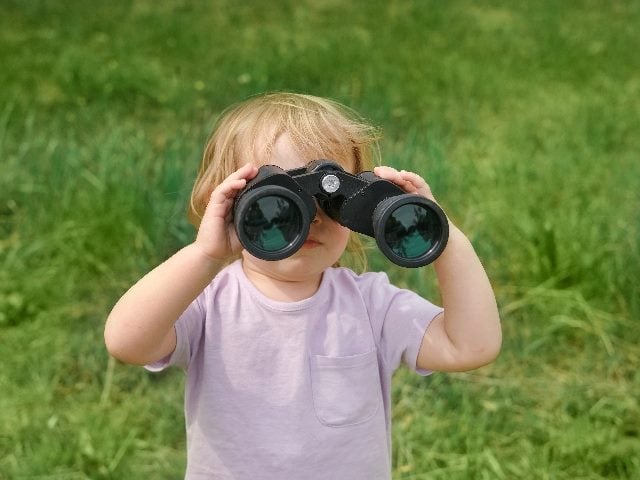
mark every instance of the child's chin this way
{"type": "Point", "coordinates": [301, 264]}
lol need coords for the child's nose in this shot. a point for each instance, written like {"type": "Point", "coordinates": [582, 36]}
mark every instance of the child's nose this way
{"type": "Point", "coordinates": [319, 217]}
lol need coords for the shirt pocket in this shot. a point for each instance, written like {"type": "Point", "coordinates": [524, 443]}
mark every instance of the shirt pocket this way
{"type": "Point", "coordinates": [346, 390]}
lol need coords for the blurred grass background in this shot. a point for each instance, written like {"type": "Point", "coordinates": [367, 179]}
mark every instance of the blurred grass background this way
{"type": "Point", "coordinates": [523, 116]}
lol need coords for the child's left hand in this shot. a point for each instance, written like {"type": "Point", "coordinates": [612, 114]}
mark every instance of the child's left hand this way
{"type": "Point", "coordinates": [467, 334]}
{"type": "Point", "coordinates": [410, 182]}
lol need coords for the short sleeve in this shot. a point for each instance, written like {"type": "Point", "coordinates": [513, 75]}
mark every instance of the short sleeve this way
{"type": "Point", "coordinates": [405, 324]}
{"type": "Point", "coordinates": [400, 319]}
{"type": "Point", "coordinates": [188, 331]}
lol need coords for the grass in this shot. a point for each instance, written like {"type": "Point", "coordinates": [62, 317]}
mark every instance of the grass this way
{"type": "Point", "coordinates": [523, 118]}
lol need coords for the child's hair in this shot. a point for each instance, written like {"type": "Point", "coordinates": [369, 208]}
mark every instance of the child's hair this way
{"type": "Point", "coordinates": [317, 128]}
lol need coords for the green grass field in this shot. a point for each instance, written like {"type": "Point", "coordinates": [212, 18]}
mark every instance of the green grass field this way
{"type": "Point", "coordinates": [523, 116]}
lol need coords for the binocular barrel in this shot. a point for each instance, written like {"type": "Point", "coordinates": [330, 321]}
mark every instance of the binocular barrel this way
{"type": "Point", "coordinates": [273, 213]}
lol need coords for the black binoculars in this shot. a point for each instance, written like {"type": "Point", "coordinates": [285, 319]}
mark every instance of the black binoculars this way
{"type": "Point", "coordinates": [273, 213]}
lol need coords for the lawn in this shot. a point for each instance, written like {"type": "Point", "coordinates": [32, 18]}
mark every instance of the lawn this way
{"type": "Point", "coordinates": [523, 116]}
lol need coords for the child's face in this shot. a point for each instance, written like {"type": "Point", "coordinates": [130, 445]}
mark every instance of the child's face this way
{"type": "Point", "coordinates": [327, 239]}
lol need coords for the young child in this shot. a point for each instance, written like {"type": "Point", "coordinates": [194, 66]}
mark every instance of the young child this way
{"type": "Point", "coordinates": [289, 362]}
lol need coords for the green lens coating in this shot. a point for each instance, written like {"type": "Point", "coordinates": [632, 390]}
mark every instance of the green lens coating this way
{"type": "Point", "coordinates": [411, 230]}
{"type": "Point", "coordinates": [272, 222]}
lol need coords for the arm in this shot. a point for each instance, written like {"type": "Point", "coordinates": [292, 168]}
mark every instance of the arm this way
{"type": "Point", "coordinates": [140, 328]}
{"type": "Point", "coordinates": [467, 334]}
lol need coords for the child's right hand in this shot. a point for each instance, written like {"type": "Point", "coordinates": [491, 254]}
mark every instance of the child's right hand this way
{"type": "Point", "coordinates": [140, 328]}
{"type": "Point", "coordinates": [216, 236]}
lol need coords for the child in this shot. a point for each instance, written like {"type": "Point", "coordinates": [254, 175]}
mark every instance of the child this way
{"type": "Point", "coordinates": [289, 362]}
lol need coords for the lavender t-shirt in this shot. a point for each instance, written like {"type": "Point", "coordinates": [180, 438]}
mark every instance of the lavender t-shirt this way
{"type": "Point", "coordinates": [299, 390]}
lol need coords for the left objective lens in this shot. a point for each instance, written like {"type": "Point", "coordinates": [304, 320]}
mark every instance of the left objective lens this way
{"type": "Point", "coordinates": [411, 231]}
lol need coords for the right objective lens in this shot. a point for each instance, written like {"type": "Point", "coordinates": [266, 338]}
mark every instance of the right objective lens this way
{"type": "Point", "coordinates": [272, 222]}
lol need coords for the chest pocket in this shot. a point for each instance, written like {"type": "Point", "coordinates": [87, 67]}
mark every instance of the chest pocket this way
{"type": "Point", "coordinates": [346, 390]}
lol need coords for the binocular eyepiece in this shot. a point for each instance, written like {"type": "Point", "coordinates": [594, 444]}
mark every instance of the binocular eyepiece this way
{"type": "Point", "coordinates": [273, 213]}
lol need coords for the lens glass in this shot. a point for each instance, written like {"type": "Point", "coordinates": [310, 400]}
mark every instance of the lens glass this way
{"type": "Point", "coordinates": [411, 230]}
{"type": "Point", "coordinates": [272, 222]}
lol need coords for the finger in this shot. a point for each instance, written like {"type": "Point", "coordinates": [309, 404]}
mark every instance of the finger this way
{"type": "Point", "coordinates": [417, 184]}
{"type": "Point", "coordinates": [222, 197]}
{"type": "Point", "coordinates": [235, 182]}
{"type": "Point", "coordinates": [247, 171]}
{"type": "Point", "coordinates": [388, 173]}
{"type": "Point", "coordinates": [410, 182]}
{"type": "Point", "coordinates": [395, 176]}
{"type": "Point", "coordinates": [414, 179]}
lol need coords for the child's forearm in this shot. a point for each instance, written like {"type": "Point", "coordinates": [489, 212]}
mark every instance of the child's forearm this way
{"type": "Point", "coordinates": [471, 319]}
{"type": "Point", "coordinates": [139, 329]}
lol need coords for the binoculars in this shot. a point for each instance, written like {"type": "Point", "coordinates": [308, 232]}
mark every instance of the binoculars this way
{"type": "Point", "coordinates": [273, 213]}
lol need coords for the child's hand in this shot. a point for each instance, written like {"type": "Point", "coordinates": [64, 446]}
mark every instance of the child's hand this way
{"type": "Point", "coordinates": [410, 182]}
{"type": "Point", "coordinates": [467, 334]}
{"type": "Point", "coordinates": [216, 236]}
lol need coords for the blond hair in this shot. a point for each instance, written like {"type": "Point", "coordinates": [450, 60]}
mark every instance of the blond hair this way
{"type": "Point", "coordinates": [317, 128]}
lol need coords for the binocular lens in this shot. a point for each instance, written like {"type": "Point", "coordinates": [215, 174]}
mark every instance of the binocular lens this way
{"type": "Point", "coordinates": [274, 212]}
{"type": "Point", "coordinates": [409, 230]}
{"type": "Point", "coordinates": [271, 223]}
